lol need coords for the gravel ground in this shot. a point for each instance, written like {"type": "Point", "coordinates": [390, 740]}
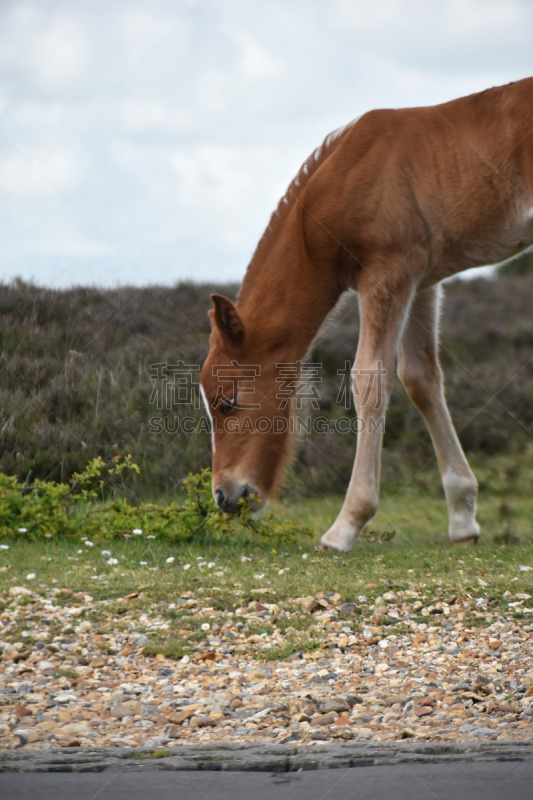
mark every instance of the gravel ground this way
{"type": "Point", "coordinates": [464, 674]}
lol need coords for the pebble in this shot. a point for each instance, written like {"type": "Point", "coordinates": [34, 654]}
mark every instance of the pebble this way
{"type": "Point", "coordinates": [444, 679]}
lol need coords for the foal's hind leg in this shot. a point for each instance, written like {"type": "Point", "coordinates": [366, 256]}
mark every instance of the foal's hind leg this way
{"type": "Point", "coordinates": [383, 313]}
{"type": "Point", "coordinates": [421, 375]}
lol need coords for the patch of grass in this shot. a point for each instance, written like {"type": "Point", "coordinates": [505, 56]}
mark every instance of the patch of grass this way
{"type": "Point", "coordinates": [224, 603]}
{"type": "Point", "coordinates": [67, 672]}
{"type": "Point", "coordinates": [197, 635]}
{"type": "Point", "coordinates": [300, 622]}
{"type": "Point", "coordinates": [171, 648]}
{"type": "Point", "coordinates": [420, 557]}
{"type": "Point", "coordinates": [276, 653]}
{"type": "Point", "coordinates": [174, 615]}
{"type": "Point", "coordinates": [256, 629]}
{"type": "Point", "coordinates": [293, 644]}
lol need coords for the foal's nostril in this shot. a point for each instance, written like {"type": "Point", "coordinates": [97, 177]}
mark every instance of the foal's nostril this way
{"type": "Point", "coordinates": [220, 497]}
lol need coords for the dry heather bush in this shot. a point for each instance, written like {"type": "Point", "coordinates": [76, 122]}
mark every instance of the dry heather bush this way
{"type": "Point", "coordinates": [75, 381]}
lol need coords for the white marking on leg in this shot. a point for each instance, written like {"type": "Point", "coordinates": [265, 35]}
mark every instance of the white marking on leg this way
{"type": "Point", "coordinates": [461, 492]}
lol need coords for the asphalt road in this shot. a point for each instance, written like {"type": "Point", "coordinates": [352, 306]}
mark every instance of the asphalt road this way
{"type": "Point", "coordinates": [504, 780]}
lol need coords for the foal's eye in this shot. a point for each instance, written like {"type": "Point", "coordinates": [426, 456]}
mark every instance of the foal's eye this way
{"type": "Point", "coordinates": [227, 405]}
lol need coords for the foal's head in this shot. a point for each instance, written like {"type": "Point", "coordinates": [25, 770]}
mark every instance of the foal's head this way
{"type": "Point", "coordinates": [251, 441]}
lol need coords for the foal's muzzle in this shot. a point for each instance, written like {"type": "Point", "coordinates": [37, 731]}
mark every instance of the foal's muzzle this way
{"type": "Point", "coordinates": [227, 499]}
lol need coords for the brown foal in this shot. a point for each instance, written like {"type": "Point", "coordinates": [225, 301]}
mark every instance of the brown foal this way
{"type": "Point", "coordinates": [390, 206]}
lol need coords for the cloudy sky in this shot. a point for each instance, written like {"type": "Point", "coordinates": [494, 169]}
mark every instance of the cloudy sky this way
{"type": "Point", "coordinates": [150, 141]}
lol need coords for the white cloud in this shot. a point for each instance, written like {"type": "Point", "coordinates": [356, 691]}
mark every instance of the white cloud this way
{"type": "Point", "coordinates": [153, 116]}
{"type": "Point", "coordinates": [161, 127]}
{"type": "Point", "coordinates": [46, 50]}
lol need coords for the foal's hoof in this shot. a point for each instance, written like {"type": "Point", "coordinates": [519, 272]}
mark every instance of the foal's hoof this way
{"type": "Point", "coordinates": [467, 542]}
{"type": "Point", "coordinates": [325, 548]}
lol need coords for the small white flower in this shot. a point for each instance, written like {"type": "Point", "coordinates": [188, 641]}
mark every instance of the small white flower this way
{"type": "Point", "coordinates": [80, 551]}
{"type": "Point", "coordinates": [30, 576]}
{"type": "Point", "coordinates": [47, 535]}
{"type": "Point", "coordinates": [211, 565]}
{"type": "Point", "coordinates": [137, 531]}
{"type": "Point", "coordinates": [4, 547]}
{"type": "Point", "coordinates": [106, 552]}
{"type": "Point", "coordinates": [258, 577]}
{"type": "Point", "coordinates": [88, 543]}
{"type": "Point", "coordinates": [205, 626]}
{"type": "Point", "coordinates": [186, 566]}
{"type": "Point", "coordinates": [143, 563]}
{"type": "Point", "coordinates": [150, 537]}
{"type": "Point", "coordinates": [22, 530]}
{"type": "Point", "coordinates": [305, 555]}
{"type": "Point", "coordinates": [245, 558]}
{"type": "Point", "coordinates": [170, 560]}
{"type": "Point", "coordinates": [112, 561]}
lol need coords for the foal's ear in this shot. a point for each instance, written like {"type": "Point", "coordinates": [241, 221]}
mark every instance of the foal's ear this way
{"type": "Point", "coordinates": [225, 316]}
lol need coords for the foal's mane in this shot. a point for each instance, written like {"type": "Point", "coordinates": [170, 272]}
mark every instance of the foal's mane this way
{"type": "Point", "coordinates": [305, 173]}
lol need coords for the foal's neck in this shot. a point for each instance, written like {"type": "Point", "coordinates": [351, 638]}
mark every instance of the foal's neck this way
{"type": "Point", "coordinates": [285, 297]}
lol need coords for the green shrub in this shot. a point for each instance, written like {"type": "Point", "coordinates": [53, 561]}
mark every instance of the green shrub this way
{"type": "Point", "coordinates": [93, 505]}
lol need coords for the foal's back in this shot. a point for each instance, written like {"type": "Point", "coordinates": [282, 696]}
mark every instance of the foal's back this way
{"type": "Point", "coordinates": [452, 182]}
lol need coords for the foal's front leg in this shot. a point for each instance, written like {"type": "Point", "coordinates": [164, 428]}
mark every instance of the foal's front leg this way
{"type": "Point", "coordinates": [382, 319]}
{"type": "Point", "coordinates": [420, 372]}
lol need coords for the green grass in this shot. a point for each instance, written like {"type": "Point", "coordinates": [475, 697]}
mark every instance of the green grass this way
{"type": "Point", "coordinates": [420, 553]}
{"type": "Point", "coordinates": [171, 648]}
{"type": "Point", "coordinates": [293, 644]}
{"type": "Point", "coordinates": [237, 570]}
{"type": "Point", "coordinates": [67, 672]}
{"type": "Point", "coordinates": [153, 754]}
